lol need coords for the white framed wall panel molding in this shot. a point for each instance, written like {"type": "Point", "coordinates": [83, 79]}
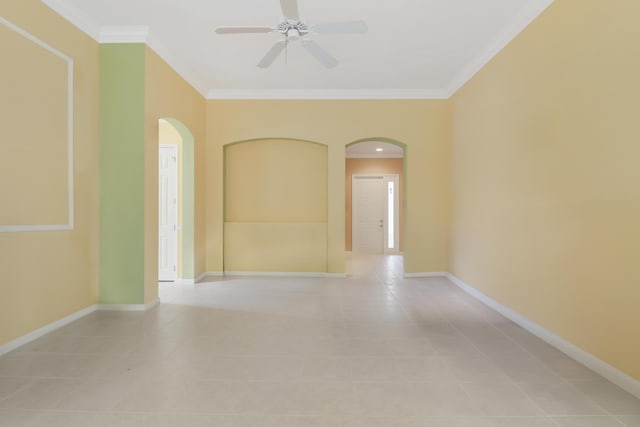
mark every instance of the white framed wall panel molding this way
{"type": "Point", "coordinates": [36, 134]}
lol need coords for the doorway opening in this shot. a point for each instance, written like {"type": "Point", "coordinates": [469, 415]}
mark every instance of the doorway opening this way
{"type": "Point", "coordinates": [168, 213]}
{"type": "Point", "coordinates": [176, 202]}
{"type": "Point", "coordinates": [375, 225]}
{"type": "Point", "coordinates": [374, 197]}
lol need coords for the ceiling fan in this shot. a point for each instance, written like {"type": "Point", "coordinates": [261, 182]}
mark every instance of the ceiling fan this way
{"type": "Point", "coordinates": [293, 29]}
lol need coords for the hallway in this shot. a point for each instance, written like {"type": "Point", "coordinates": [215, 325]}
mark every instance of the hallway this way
{"type": "Point", "coordinates": [371, 350]}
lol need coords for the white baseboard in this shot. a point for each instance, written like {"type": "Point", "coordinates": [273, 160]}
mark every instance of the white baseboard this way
{"type": "Point", "coordinates": [335, 275]}
{"type": "Point", "coordinates": [12, 345]}
{"type": "Point", "coordinates": [611, 373]}
{"type": "Point", "coordinates": [268, 274]}
{"type": "Point", "coordinates": [128, 307]}
{"type": "Point", "coordinates": [211, 274]}
{"type": "Point", "coordinates": [203, 275]}
{"type": "Point", "coordinates": [416, 275]}
{"type": "Point", "coordinates": [284, 274]}
{"type": "Point", "coordinates": [31, 336]}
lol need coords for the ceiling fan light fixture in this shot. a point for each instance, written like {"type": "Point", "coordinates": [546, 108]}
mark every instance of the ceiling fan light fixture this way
{"type": "Point", "coordinates": [293, 28]}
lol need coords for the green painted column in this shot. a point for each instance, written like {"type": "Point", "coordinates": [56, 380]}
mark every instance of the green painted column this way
{"type": "Point", "coordinates": [122, 173]}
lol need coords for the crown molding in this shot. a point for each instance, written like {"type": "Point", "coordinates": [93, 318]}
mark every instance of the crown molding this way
{"type": "Point", "coordinates": [525, 17]}
{"type": "Point", "coordinates": [346, 94]}
{"type": "Point", "coordinates": [124, 34]}
{"type": "Point", "coordinates": [141, 34]}
{"type": "Point", "coordinates": [180, 67]}
{"type": "Point", "coordinates": [101, 34]}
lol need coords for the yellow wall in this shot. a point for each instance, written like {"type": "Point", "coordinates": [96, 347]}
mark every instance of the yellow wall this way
{"type": "Point", "coordinates": [279, 247]}
{"type": "Point", "coordinates": [168, 95]}
{"type": "Point", "coordinates": [424, 126]}
{"type": "Point", "coordinates": [370, 166]}
{"type": "Point", "coordinates": [49, 275]}
{"type": "Point", "coordinates": [264, 185]}
{"type": "Point", "coordinates": [275, 208]}
{"type": "Point", "coordinates": [37, 133]}
{"type": "Point", "coordinates": [546, 216]}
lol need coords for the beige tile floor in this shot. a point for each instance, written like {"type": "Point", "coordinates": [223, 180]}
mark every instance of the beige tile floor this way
{"type": "Point", "coordinates": [371, 350]}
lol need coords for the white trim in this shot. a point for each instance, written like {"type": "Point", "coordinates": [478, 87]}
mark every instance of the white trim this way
{"type": "Point", "coordinates": [124, 34]}
{"type": "Point", "coordinates": [76, 17]}
{"type": "Point", "coordinates": [135, 35]}
{"type": "Point", "coordinates": [25, 228]}
{"type": "Point", "coordinates": [328, 94]}
{"type": "Point", "coordinates": [426, 274]}
{"type": "Point", "coordinates": [129, 307]}
{"type": "Point", "coordinates": [31, 336]}
{"type": "Point", "coordinates": [201, 279]}
{"type": "Point", "coordinates": [197, 279]}
{"type": "Point", "coordinates": [181, 68]}
{"type": "Point", "coordinates": [611, 373]}
{"type": "Point", "coordinates": [335, 275]}
{"type": "Point", "coordinates": [385, 177]}
{"type": "Point", "coordinates": [526, 16]}
{"type": "Point", "coordinates": [283, 274]}
{"type": "Point", "coordinates": [173, 213]}
{"type": "Point", "coordinates": [210, 274]}
{"type": "Point", "coordinates": [70, 131]}
{"type": "Point", "coordinates": [205, 274]}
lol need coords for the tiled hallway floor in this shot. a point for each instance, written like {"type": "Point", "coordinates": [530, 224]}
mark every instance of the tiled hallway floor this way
{"type": "Point", "coordinates": [371, 350]}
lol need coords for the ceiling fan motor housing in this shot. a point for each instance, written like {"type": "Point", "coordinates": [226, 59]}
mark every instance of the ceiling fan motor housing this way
{"type": "Point", "coordinates": [292, 28]}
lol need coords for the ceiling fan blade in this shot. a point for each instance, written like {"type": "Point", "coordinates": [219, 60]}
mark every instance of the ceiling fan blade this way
{"type": "Point", "coordinates": [351, 27]}
{"type": "Point", "coordinates": [272, 54]}
{"type": "Point", "coordinates": [319, 53]}
{"type": "Point", "coordinates": [290, 9]}
{"type": "Point", "coordinates": [243, 30]}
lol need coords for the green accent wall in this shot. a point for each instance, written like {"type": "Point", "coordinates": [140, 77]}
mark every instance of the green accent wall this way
{"type": "Point", "coordinates": [122, 137]}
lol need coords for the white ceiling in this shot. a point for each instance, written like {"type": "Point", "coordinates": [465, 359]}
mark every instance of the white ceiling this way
{"type": "Point", "coordinates": [369, 149]}
{"type": "Point", "coordinates": [413, 49]}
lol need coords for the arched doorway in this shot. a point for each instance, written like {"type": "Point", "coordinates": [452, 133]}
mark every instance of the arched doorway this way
{"type": "Point", "coordinates": [374, 196]}
{"type": "Point", "coordinates": [174, 133]}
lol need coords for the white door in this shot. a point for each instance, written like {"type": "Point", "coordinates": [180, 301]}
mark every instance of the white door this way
{"type": "Point", "coordinates": [367, 208]}
{"type": "Point", "coordinates": [168, 213]}
{"type": "Point", "coordinates": [374, 207]}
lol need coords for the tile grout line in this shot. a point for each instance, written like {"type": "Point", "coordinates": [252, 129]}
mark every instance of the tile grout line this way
{"type": "Point", "coordinates": [564, 380]}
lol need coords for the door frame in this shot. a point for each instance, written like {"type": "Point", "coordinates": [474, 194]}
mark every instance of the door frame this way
{"type": "Point", "coordinates": [175, 184]}
{"type": "Point", "coordinates": [386, 178]}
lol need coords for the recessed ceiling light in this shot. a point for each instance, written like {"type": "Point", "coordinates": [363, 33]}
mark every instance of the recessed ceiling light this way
{"type": "Point", "coordinates": [378, 149]}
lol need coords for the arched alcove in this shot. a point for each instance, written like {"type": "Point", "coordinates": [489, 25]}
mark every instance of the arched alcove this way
{"type": "Point", "coordinates": [275, 206]}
